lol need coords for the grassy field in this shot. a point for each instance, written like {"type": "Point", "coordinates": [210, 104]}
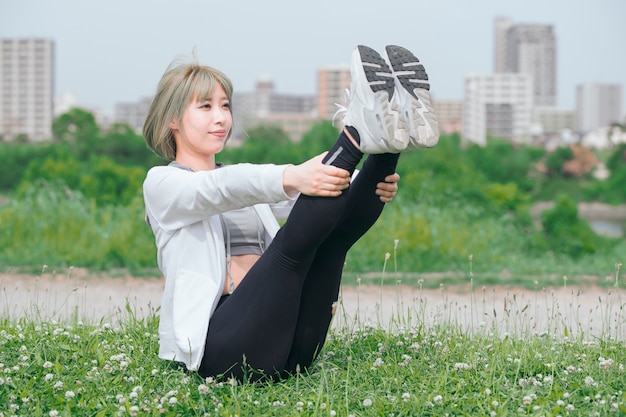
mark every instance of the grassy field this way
{"type": "Point", "coordinates": [410, 366]}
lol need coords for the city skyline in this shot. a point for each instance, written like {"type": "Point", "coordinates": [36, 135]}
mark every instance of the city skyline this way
{"type": "Point", "coordinates": [114, 52]}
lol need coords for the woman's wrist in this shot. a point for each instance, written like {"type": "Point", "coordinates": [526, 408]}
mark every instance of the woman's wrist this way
{"type": "Point", "coordinates": [290, 184]}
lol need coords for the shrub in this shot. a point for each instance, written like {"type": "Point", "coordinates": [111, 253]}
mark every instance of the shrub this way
{"type": "Point", "coordinates": [564, 232]}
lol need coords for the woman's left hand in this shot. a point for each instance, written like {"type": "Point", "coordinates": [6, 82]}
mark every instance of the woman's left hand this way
{"type": "Point", "coordinates": [387, 190]}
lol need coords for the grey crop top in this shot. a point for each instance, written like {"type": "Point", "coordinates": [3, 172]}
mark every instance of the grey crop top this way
{"type": "Point", "coordinates": [243, 232]}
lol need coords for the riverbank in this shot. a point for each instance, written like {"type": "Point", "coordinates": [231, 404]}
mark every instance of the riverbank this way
{"type": "Point", "coordinates": [604, 219]}
{"type": "Point", "coordinates": [591, 310]}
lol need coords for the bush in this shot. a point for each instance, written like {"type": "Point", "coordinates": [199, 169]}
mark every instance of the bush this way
{"type": "Point", "coordinates": [564, 232]}
{"type": "Point", "coordinates": [51, 224]}
{"type": "Point", "coordinates": [99, 178]}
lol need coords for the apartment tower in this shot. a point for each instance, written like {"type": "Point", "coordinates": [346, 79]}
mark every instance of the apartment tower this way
{"type": "Point", "coordinates": [528, 49]}
{"type": "Point", "coordinates": [26, 89]}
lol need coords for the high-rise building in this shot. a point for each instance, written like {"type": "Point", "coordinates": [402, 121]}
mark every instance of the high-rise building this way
{"type": "Point", "coordinates": [530, 49]}
{"type": "Point", "coordinates": [331, 85]}
{"type": "Point", "coordinates": [497, 105]}
{"type": "Point", "coordinates": [27, 88]}
{"type": "Point", "coordinates": [598, 105]}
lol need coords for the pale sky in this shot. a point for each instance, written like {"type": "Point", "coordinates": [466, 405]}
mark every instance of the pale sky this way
{"type": "Point", "coordinates": [111, 51]}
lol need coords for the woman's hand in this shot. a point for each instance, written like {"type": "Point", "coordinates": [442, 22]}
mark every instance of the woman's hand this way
{"type": "Point", "coordinates": [387, 190]}
{"type": "Point", "coordinates": [315, 179]}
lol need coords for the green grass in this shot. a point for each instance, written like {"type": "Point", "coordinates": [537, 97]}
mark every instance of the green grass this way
{"type": "Point", "coordinates": [412, 366]}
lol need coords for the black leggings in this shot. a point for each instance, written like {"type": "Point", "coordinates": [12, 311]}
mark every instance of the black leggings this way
{"type": "Point", "coordinates": [278, 317]}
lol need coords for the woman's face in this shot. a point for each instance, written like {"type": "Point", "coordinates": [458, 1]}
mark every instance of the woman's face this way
{"type": "Point", "coordinates": [206, 125]}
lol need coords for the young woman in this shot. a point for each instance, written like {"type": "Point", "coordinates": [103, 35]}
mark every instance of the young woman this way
{"type": "Point", "coordinates": [244, 298]}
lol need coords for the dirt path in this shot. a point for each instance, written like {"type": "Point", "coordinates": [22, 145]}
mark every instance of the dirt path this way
{"type": "Point", "coordinates": [592, 310]}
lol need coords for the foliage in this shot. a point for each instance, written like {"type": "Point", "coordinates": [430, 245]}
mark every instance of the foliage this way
{"type": "Point", "coordinates": [565, 232]}
{"type": "Point", "coordinates": [69, 368]}
{"type": "Point", "coordinates": [78, 128]}
{"type": "Point", "coordinates": [557, 158]}
{"type": "Point", "coordinates": [15, 157]}
{"type": "Point", "coordinates": [504, 162]}
{"type": "Point", "coordinates": [121, 144]}
{"type": "Point", "coordinates": [99, 178]}
{"type": "Point", "coordinates": [52, 224]}
{"type": "Point", "coordinates": [452, 201]}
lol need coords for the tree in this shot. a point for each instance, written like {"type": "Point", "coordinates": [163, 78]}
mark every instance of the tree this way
{"type": "Point", "coordinates": [556, 159]}
{"type": "Point", "coordinates": [78, 128]}
{"type": "Point", "coordinates": [122, 144]}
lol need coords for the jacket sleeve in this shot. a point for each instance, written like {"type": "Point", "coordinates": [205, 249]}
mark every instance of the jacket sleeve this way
{"type": "Point", "coordinates": [175, 198]}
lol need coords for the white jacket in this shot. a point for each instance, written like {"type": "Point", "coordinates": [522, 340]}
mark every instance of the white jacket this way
{"type": "Point", "coordinates": [182, 209]}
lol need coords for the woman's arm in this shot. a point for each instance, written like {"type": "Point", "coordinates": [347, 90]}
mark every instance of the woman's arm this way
{"type": "Point", "coordinates": [175, 197]}
{"type": "Point", "coordinates": [315, 179]}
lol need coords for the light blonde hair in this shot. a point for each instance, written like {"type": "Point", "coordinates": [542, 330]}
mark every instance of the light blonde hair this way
{"type": "Point", "coordinates": [182, 82]}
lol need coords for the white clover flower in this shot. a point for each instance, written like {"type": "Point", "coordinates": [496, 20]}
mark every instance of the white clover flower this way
{"type": "Point", "coordinates": [570, 407]}
{"type": "Point", "coordinates": [461, 366]}
{"type": "Point", "coordinates": [527, 400]}
{"type": "Point", "coordinates": [487, 391]}
{"type": "Point", "coordinates": [367, 402]}
{"type": "Point", "coordinates": [134, 410]}
{"type": "Point", "coordinates": [495, 403]}
{"type": "Point", "coordinates": [560, 403]}
{"type": "Point", "coordinates": [172, 400]}
{"type": "Point", "coordinates": [378, 363]}
{"type": "Point", "coordinates": [438, 399]}
{"type": "Point", "coordinates": [333, 413]}
{"type": "Point", "coordinates": [58, 385]}
{"type": "Point", "coordinates": [70, 394]}
{"type": "Point", "coordinates": [406, 397]}
{"type": "Point", "coordinates": [47, 364]}
{"type": "Point", "coordinates": [53, 413]}
{"type": "Point", "coordinates": [203, 389]}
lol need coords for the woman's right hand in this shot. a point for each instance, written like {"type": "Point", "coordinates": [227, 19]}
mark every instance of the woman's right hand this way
{"type": "Point", "coordinates": [315, 179]}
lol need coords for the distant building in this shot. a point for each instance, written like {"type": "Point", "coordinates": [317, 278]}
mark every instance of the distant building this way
{"type": "Point", "coordinates": [497, 105]}
{"type": "Point", "coordinates": [133, 114]}
{"type": "Point", "coordinates": [331, 85]}
{"type": "Point", "coordinates": [292, 113]}
{"type": "Point", "coordinates": [449, 115]}
{"type": "Point", "coordinates": [529, 49]}
{"type": "Point", "coordinates": [598, 106]}
{"type": "Point", "coordinates": [27, 88]}
{"type": "Point", "coordinates": [553, 127]}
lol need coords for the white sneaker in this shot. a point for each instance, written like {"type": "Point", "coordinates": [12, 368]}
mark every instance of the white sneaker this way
{"type": "Point", "coordinates": [370, 108]}
{"type": "Point", "coordinates": [418, 119]}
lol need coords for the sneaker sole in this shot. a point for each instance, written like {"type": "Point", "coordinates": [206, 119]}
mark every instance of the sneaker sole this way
{"type": "Point", "coordinates": [381, 81]}
{"type": "Point", "coordinates": [418, 118]}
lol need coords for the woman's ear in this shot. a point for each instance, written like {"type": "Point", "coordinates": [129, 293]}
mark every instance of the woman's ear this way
{"type": "Point", "coordinates": [174, 124]}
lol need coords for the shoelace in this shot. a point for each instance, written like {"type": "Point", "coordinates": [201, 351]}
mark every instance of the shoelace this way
{"type": "Point", "coordinates": [342, 109]}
